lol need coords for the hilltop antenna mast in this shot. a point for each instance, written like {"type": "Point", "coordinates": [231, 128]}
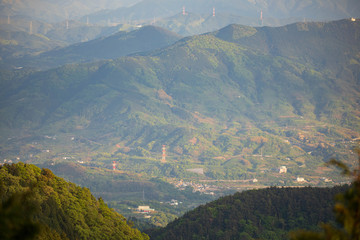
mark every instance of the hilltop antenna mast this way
{"type": "Point", "coordinates": [183, 11]}
{"type": "Point", "coordinates": [114, 165]}
{"type": "Point", "coordinates": [67, 19]}
{"type": "Point", "coordinates": [163, 154]}
{"type": "Point", "coordinates": [213, 11]}
{"type": "Point", "coordinates": [8, 20]}
{"type": "Point", "coordinates": [261, 17]}
{"type": "Point", "coordinates": [30, 27]}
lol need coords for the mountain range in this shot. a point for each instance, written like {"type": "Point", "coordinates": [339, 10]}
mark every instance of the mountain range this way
{"type": "Point", "coordinates": [238, 102]}
{"type": "Point", "coordinates": [172, 104]}
{"type": "Point", "coordinates": [52, 11]}
{"type": "Point", "coordinates": [245, 10]}
{"type": "Point", "coordinates": [79, 21]}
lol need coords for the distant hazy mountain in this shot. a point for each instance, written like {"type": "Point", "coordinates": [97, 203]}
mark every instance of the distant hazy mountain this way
{"type": "Point", "coordinates": [193, 24]}
{"type": "Point", "coordinates": [289, 93]}
{"type": "Point", "coordinates": [15, 44]}
{"type": "Point", "coordinates": [53, 11]}
{"type": "Point", "coordinates": [17, 41]}
{"type": "Point", "coordinates": [245, 10]}
{"type": "Point", "coordinates": [123, 43]}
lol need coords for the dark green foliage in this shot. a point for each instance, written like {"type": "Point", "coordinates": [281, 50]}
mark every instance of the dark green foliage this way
{"type": "Point", "coordinates": [16, 218]}
{"type": "Point", "coordinates": [257, 214]}
{"type": "Point", "coordinates": [347, 210]}
{"type": "Point", "coordinates": [59, 208]}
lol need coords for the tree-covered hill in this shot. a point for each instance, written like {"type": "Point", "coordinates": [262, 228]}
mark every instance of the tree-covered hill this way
{"type": "Point", "coordinates": [318, 44]}
{"type": "Point", "coordinates": [257, 214]}
{"type": "Point", "coordinates": [34, 200]}
{"type": "Point", "coordinates": [238, 102]}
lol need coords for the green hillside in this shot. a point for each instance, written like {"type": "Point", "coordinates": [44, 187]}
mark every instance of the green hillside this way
{"type": "Point", "coordinates": [238, 103]}
{"type": "Point", "coordinates": [34, 200]}
{"type": "Point", "coordinates": [257, 214]}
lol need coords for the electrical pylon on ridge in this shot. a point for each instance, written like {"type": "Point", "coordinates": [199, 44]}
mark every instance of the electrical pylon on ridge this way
{"type": "Point", "coordinates": [163, 159]}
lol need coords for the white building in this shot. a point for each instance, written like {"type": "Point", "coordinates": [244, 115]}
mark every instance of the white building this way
{"type": "Point", "coordinates": [145, 209]}
{"type": "Point", "coordinates": [300, 179]}
{"type": "Point", "coordinates": [282, 169]}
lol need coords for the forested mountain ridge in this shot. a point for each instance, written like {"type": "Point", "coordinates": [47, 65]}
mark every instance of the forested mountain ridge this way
{"type": "Point", "coordinates": [222, 100]}
{"type": "Point", "coordinates": [320, 44]}
{"type": "Point", "coordinates": [256, 214]}
{"type": "Point", "coordinates": [34, 199]}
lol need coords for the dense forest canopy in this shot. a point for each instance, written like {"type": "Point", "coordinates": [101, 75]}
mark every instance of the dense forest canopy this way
{"type": "Point", "coordinates": [256, 214]}
{"type": "Point", "coordinates": [34, 200]}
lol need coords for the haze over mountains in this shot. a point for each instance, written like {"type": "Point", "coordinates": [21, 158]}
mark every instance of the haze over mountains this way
{"type": "Point", "coordinates": [116, 45]}
{"type": "Point", "coordinates": [273, 9]}
{"type": "Point", "coordinates": [57, 26]}
{"type": "Point", "coordinates": [52, 11]}
{"type": "Point", "coordinates": [289, 92]}
{"type": "Point", "coordinates": [184, 17]}
{"type": "Point", "coordinates": [116, 11]}
{"type": "Point", "coordinates": [111, 93]}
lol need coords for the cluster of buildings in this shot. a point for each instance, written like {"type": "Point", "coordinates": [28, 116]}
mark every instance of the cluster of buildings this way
{"type": "Point", "coordinates": [174, 202]}
{"type": "Point", "coordinates": [197, 187]}
{"type": "Point", "coordinates": [6, 161]}
{"type": "Point", "coordinates": [144, 210]}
